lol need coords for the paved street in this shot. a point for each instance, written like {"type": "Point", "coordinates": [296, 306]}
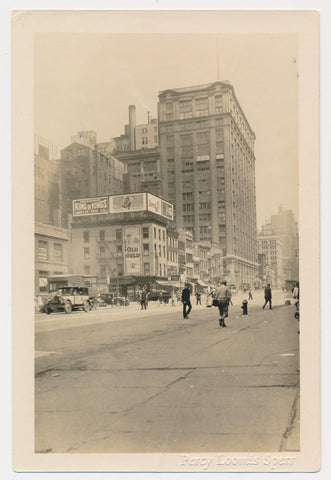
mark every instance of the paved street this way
{"type": "Point", "coordinates": [126, 380]}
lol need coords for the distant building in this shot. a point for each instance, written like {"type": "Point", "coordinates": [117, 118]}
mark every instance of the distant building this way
{"type": "Point", "coordinates": [87, 173]}
{"type": "Point", "coordinates": [135, 137]}
{"type": "Point", "coordinates": [51, 240]}
{"type": "Point", "coordinates": [143, 167]}
{"type": "Point", "coordinates": [208, 171]}
{"type": "Point", "coordinates": [173, 270]}
{"type": "Point", "coordinates": [47, 183]}
{"type": "Point", "coordinates": [284, 225]}
{"type": "Point", "coordinates": [122, 239]}
{"type": "Point", "coordinates": [270, 246]}
{"type": "Point", "coordinates": [201, 255]}
{"type": "Point", "coordinates": [185, 255]}
{"type": "Point", "coordinates": [51, 254]}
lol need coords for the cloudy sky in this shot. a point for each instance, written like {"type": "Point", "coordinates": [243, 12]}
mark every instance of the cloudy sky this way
{"type": "Point", "coordinates": [87, 81]}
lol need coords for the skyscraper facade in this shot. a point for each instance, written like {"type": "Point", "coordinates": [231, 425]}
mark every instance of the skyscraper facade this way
{"type": "Point", "coordinates": [285, 226]}
{"type": "Point", "coordinates": [208, 171]}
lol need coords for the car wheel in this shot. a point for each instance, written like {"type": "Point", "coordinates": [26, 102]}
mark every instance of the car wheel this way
{"type": "Point", "coordinates": [48, 310]}
{"type": "Point", "coordinates": [87, 306]}
{"type": "Point", "coordinates": [68, 307]}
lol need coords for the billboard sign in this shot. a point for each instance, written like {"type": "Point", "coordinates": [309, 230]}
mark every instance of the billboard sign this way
{"type": "Point", "coordinates": [132, 251]}
{"type": "Point", "coordinates": [160, 207]}
{"type": "Point", "coordinates": [154, 204]}
{"type": "Point", "coordinates": [90, 206]}
{"type": "Point", "coordinates": [167, 210]}
{"type": "Point", "coordinates": [133, 202]}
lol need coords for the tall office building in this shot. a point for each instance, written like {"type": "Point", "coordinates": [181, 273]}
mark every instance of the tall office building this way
{"type": "Point", "coordinates": [208, 171]}
{"type": "Point", "coordinates": [284, 225]}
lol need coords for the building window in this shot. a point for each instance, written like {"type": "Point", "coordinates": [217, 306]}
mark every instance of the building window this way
{"type": "Point", "coordinates": [189, 243]}
{"type": "Point", "coordinates": [145, 232]}
{"type": "Point", "coordinates": [164, 254]}
{"type": "Point", "coordinates": [119, 249]}
{"type": "Point", "coordinates": [160, 270]}
{"type": "Point", "coordinates": [159, 250]}
{"type": "Point", "coordinates": [168, 107]}
{"type": "Point", "coordinates": [118, 234]}
{"type": "Point", "coordinates": [189, 258]}
{"type": "Point", "coordinates": [87, 269]}
{"type": "Point", "coordinates": [155, 233]}
{"type": "Point", "coordinates": [146, 248]}
{"type": "Point", "coordinates": [159, 234]}
{"type": "Point", "coordinates": [43, 281]}
{"type": "Point", "coordinates": [102, 251]}
{"type": "Point", "coordinates": [163, 235]}
{"type": "Point", "coordinates": [164, 270]}
{"type": "Point", "coordinates": [102, 235]}
{"type": "Point", "coordinates": [43, 251]}
{"type": "Point", "coordinates": [86, 236]}
{"type": "Point", "coordinates": [185, 107]}
{"type": "Point", "coordinates": [170, 140]}
{"type": "Point", "coordinates": [147, 270]}
{"type": "Point", "coordinates": [86, 253]}
{"type": "Point", "coordinates": [58, 252]}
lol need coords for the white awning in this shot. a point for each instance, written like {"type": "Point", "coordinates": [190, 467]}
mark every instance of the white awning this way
{"type": "Point", "coordinates": [202, 283]}
{"type": "Point", "coordinates": [169, 283]}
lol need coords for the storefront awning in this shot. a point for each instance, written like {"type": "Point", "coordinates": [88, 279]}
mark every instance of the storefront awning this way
{"type": "Point", "coordinates": [169, 283]}
{"type": "Point", "coordinates": [202, 283]}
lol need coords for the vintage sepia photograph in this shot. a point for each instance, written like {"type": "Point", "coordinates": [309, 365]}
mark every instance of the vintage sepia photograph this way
{"type": "Point", "coordinates": [166, 229]}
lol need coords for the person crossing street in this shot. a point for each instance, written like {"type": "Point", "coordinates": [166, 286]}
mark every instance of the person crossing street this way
{"type": "Point", "coordinates": [223, 297]}
{"type": "Point", "coordinates": [187, 307]}
{"type": "Point", "coordinates": [267, 296]}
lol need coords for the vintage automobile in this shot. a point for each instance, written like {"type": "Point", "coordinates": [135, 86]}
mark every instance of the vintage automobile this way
{"type": "Point", "coordinates": [67, 299]}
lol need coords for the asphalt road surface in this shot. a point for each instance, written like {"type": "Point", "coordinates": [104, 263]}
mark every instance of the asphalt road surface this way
{"type": "Point", "coordinates": [127, 380]}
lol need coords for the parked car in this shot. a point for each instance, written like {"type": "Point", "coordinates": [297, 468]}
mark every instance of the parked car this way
{"type": "Point", "coordinates": [156, 295]}
{"type": "Point", "coordinates": [108, 298]}
{"type": "Point", "coordinates": [67, 299]}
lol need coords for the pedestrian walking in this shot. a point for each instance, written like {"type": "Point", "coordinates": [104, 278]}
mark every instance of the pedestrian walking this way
{"type": "Point", "coordinates": [223, 297]}
{"type": "Point", "coordinates": [209, 302]}
{"type": "Point", "coordinates": [198, 297]}
{"type": "Point", "coordinates": [143, 300]}
{"type": "Point", "coordinates": [187, 307]}
{"type": "Point", "coordinates": [250, 296]}
{"type": "Point", "coordinates": [267, 296]}
{"type": "Point", "coordinates": [173, 299]}
{"type": "Point", "coordinates": [160, 298]}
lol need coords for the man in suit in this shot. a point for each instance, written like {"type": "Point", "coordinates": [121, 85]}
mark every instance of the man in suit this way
{"type": "Point", "coordinates": [187, 307]}
{"type": "Point", "coordinates": [267, 296]}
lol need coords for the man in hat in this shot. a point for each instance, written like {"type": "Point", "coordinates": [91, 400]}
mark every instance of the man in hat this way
{"type": "Point", "coordinates": [223, 296]}
{"type": "Point", "coordinates": [267, 296]}
{"type": "Point", "coordinates": [187, 307]}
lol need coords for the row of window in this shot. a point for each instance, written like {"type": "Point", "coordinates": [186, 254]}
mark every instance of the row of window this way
{"type": "Point", "coordinates": [144, 140]}
{"type": "Point", "coordinates": [186, 126]}
{"type": "Point", "coordinates": [119, 235]}
{"type": "Point", "coordinates": [50, 251]}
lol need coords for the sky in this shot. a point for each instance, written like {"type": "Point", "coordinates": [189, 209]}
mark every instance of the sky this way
{"type": "Point", "coordinates": [87, 82]}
